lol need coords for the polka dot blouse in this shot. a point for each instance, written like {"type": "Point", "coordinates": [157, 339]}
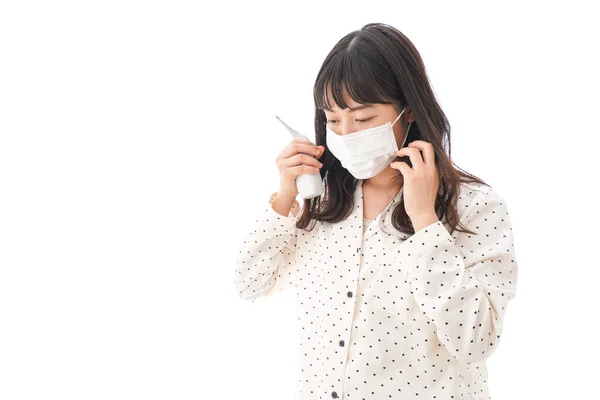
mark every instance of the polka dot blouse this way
{"type": "Point", "coordinates": [384, 315]}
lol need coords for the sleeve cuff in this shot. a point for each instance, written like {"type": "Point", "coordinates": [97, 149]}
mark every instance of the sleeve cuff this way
{"type": "Point", "coordinates": [277, 223]}
{"type": "Point", "coordinates": [422, 243]}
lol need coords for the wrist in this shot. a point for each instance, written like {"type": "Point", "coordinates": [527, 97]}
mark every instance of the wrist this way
{"type": "Point", "coordinates": [284, 204]}
{"type": "Point", "coordinates": [424, 220]}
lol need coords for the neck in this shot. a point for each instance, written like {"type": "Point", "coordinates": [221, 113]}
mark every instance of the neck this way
{"type": "Point", "coordinates": [385, 180]}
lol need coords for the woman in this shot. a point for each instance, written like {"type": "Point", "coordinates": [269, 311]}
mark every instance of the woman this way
{"type": "Point", "coordinates": [404, 267]}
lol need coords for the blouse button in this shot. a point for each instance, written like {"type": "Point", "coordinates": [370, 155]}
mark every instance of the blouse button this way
{"type": "Point", "coordinates": [349, 294]}
{"type": "Point", "coordinates": [341, 343]}
{"type": "Point", "coordinates": [334, 395]}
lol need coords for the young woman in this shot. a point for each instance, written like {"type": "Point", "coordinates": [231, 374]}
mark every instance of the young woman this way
{"type": "Point", "coordinates": [404, 267]}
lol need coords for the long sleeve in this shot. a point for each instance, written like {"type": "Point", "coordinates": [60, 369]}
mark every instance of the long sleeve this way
{"type": "Point", "coordinates": [464, 282]}
{"type": "Point", "coordinates": [267, 257]}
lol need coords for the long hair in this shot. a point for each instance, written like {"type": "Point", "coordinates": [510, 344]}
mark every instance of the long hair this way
{"type": "Point", "coordinates": [378, 64]}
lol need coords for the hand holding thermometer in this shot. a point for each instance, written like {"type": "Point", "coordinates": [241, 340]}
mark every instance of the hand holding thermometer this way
{"type": "Point", "coordinates": [309, 185]}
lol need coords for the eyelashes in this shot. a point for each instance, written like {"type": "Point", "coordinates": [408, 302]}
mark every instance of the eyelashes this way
{"type": "Point", "coordinates": [362, 121]}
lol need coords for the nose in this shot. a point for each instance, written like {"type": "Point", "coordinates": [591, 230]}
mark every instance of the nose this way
{"type": "Point", "coordinates": [346, 127]}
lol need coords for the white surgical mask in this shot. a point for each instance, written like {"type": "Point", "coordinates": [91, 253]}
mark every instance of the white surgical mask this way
{"type": "Point", "coordinates": [368, 152]}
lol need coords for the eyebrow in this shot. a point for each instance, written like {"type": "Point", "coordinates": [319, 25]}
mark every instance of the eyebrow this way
{"type": "Point", "coordinates": [361, 107]}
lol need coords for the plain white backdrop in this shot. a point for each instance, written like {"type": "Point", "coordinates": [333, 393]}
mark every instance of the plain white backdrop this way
{"type": "Point", "coordinates": [138, 142]}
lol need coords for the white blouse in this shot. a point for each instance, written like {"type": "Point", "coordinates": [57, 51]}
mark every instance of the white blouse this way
{"type": "Point", "coordinates": [385, 315]}
{"type": "Point", "coordinates": [366, 223]}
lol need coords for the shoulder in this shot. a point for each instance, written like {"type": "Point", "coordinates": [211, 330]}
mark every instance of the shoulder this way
{"type": "Point", "coordinates": [473, 194]}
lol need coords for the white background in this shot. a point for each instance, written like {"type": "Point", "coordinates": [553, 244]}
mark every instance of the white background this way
{"type": "Point", "coordinates": [138, 142]}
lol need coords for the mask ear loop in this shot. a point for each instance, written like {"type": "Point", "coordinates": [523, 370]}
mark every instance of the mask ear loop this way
{"type": "Point", "coordinates": [398, 117]}
{"type": "Point", "coordinates": [406, 136]}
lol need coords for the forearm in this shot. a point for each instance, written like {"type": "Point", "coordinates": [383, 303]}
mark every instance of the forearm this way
{"type": "Point", "coordinates": [269, 246]}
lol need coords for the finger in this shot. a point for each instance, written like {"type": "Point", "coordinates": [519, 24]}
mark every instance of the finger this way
{"type": "Point", "coordinates": [415, 157]}
{"type": "Point", "coordinates": [302, 169]}
{"type": "Point", "coordinates": [321, 151]}
{"type": "Point", "coordinates": [296, 147]}
{"type": "Point", "coordinates": [426, 149]}
{"type": "Point", "coordinates": [300, 159]}
{"type": "Point", "coordinates": [403, 167]}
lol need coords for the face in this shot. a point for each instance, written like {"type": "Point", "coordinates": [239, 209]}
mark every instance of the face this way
{"type": "Point", "coordinates": [363, 116]}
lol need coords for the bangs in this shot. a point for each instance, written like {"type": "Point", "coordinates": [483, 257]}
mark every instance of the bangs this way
{"type": "Point", "coordinates": [349, 73]}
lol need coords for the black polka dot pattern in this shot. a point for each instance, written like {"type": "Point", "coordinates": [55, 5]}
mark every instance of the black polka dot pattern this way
{"type": "Point", "coordinates": [384, 315]}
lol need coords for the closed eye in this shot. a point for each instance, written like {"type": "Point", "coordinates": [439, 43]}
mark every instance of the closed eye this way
{"type": "Point", "coordinates": [362, 121]}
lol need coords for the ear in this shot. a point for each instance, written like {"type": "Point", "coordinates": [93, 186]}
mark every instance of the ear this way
{"type": "Point", "coordinates": [409, 115]}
